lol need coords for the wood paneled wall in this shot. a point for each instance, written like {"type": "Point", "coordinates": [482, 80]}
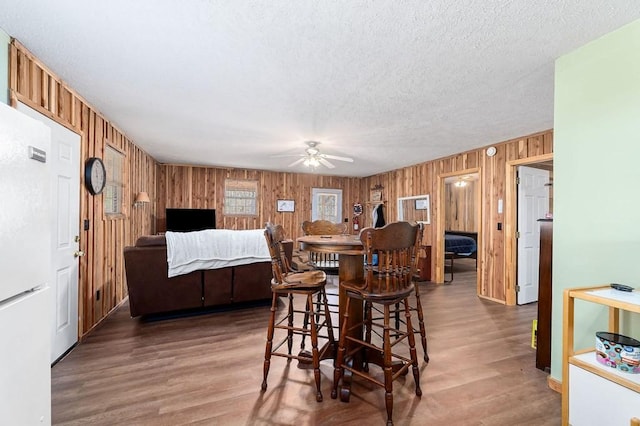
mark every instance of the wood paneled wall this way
{"type": "Point", "coordinates": [102, 269]}
{"type": "Point", "coordinates": [460, 207]}
{"type": "Point", "coordinates": [425, 178]}
{"type": "Point", "coordinates": [183, 186]}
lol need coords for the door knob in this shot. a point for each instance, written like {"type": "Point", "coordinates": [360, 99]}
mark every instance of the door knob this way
{"type": "Point", "coordinates": [78, 253]}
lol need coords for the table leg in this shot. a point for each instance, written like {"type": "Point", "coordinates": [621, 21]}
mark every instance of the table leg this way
{"type": "Point", "coordinates": [351, 267]}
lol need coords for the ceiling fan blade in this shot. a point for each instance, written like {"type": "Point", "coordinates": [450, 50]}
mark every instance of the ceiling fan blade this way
{"type": "Point", "coordinates": [335, 157]}
{"type": "Point", "coordinates": [287, 155]}
{"type": "Point", "coordinates": [298, 161]}
{"type": "Point", "coordinates": [326, 163]}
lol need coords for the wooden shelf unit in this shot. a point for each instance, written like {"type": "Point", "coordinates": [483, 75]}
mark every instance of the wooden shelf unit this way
{"type": "Point", "coordinates": [585, 360]}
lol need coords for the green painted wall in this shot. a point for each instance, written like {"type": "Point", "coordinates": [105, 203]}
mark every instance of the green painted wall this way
{"type": "Point", "coordinates": [596, 178]}
{"type": "Point", "coordinates": [4, 66]}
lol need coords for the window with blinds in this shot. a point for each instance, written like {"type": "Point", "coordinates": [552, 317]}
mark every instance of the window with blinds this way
{"type": "Point", "coordinates": [240, 197]}
{"type": "Point", "coordinates": [114, 188]}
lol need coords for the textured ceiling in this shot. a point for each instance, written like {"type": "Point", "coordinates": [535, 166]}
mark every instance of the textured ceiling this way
{"type": "Point", "coordinates": [389, 83]}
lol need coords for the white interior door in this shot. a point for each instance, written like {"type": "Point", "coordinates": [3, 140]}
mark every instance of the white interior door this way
{"type": "Point", "coordinates": [65, 223]}
{"type": "Point", "coordinates": [533, 203]}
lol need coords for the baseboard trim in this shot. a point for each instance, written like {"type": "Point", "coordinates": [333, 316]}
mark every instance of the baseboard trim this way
{"type": "Point", "coordinates": [554, 384]}
{"type": "Point", "coordinates": [492, 299]}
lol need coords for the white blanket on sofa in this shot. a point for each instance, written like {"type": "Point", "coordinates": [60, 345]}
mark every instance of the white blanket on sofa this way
{"type": "Point", "coordinates": [214, 248]}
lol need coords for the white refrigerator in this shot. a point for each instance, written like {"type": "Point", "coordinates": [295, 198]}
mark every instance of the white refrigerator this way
{"type": "Point", "coordinates": [25, 258]}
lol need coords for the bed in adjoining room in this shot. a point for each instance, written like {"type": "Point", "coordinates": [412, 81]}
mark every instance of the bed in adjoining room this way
{"type": "Point", "coordinates": [461, 244]}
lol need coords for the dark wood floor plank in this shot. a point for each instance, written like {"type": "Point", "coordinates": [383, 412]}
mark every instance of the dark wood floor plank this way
{"type": "Point", "coordinates": [207, 370]}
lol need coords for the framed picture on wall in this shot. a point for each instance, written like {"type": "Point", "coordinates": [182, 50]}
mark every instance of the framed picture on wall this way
{"type": "Point", "coordinates": [286, 205]}
{"type": "Point", "coordinates": [422, 204]}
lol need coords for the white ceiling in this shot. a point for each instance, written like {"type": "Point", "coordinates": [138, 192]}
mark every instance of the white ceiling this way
{"type": "Point", "coordinates": [390, 83]}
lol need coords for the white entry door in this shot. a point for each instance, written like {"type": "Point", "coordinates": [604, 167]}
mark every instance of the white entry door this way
{"type": "Point", "coordinates": [533, 203]}
{"type": "Point", "coordinates": [65, 225]}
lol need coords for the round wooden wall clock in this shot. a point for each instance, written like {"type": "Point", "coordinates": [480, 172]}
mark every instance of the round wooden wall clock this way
{"type": "Point", "coordinates": [95, 175]}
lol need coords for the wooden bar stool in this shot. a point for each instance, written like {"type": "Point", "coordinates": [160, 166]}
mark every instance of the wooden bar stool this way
{"type": "Point", "coordinates": [417, 308]}
{"type": "Point", "coordinates": [288, 283]}
{"type": "Point", "coordinates": [385, 284]}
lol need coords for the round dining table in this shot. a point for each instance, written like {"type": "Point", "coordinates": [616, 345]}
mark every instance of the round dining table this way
{"type": "Point", "coordinates": [350, 258]}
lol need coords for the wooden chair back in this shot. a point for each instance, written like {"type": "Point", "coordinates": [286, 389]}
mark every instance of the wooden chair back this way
{"type": "Point", "coordinates": [274, 235]}
{"type": "Point", "coordinates": [323, 227]}
{"type": "Point", "coordinates": [418, 244]}
{"type": "Point", "coordinates": [322, 260]}
{"type": "Point", "coordinates": [390, 258]}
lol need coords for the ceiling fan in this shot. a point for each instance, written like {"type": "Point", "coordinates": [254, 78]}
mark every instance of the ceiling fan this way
{"type": "Point", "coordinates": [313, 158]}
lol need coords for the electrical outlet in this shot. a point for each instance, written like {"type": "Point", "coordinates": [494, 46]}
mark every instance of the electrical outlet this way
{"type": "Point", "coordinates": [97, 294]}
{"type": "Point", "coordinates": [499, 226]}
{"type": "Point", "coordinates": [86, 224]}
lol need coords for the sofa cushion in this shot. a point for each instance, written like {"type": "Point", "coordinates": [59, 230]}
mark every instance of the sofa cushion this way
{"type": "Point", "coordinates": [150, 291]}
{"type": "Point", "coordinates": [216, 288]}
{"type": "Point", "coordinates": [252, 282]}
{"type": "Point", "coordinates": [151, 240]}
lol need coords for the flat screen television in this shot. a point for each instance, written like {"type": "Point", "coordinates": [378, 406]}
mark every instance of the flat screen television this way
{"type": "Point", "coordinates": [187, 220]}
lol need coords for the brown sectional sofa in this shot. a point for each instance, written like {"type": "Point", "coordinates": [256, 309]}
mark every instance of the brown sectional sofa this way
{"type": "Point", "coordinates": [152, 292]}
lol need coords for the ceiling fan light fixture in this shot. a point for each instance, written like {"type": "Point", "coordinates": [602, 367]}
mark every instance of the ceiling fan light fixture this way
{"type": "Point", "coordinates": [311, 161]}
{"type": "Point", "coordinates": [460, 184]}
{"type": "Point", "coordinates": [313, 158]}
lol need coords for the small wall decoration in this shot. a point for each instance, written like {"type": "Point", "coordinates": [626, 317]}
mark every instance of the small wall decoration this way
{"type": "Point", "coordinates": [376, 193]}
{"type": "Point", "coordinates": [357, 211]}
{"type": "Point", "coordinates": [95, 175]}
{"type": "Point", "coordinates": [286, 205]}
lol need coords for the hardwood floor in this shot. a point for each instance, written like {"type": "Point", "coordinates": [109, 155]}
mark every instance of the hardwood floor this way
{"type": "Point", "coordinates": [207, 370]}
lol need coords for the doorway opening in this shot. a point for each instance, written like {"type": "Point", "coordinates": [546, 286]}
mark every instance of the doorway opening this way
{"type": "Point", "coordinates": [459, 226]}
{"type": "Point", "coordinates": [535, 194]}
{"type": "Point", "coordinates": [529, 210]}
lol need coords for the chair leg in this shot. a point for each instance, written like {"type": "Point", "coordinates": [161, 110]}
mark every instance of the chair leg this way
{"type": "Point", "coordinates": [388, 368]}
{"type": "Point", "coordinates": [412, 348]}
{"type": "Point", "coordinates": [397, 317]}
{"type": "Point", "coordinates": [338, 370]}
{"type": "Point", "coordinates": [423, 334]}
{"type": "Point", "coordinates": [305, 322]}
{"type": "Point", "coordinates": [368, 321]}
{"type": "Point", "coordinates": [328, 322]}
{"type": "Point", "coordinates": [319, 306]}
{"type": "Point", "coordinates": [269, 345]}
{"type": "Point", "coordinates": [290, 324]}
{"type": "Point", "coordinates": [314, 347]}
